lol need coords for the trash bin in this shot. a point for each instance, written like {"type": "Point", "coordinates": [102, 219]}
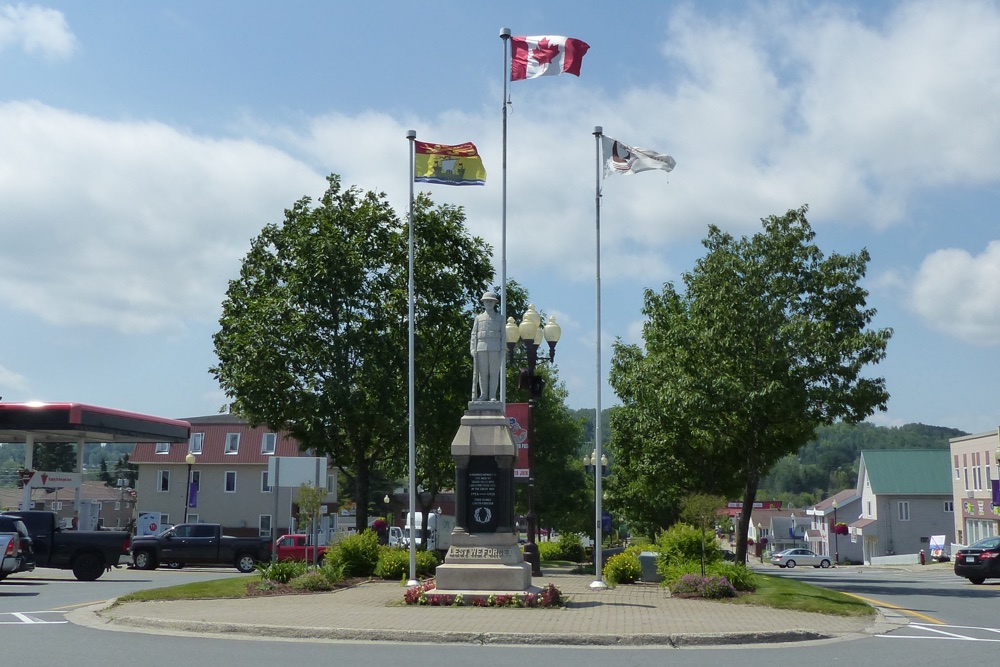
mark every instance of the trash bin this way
{"type": "Point", "coordinates": [647, 563]}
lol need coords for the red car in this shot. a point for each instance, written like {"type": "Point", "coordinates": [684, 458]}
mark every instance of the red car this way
{"type": "Point", "coordinates": [295, 547]}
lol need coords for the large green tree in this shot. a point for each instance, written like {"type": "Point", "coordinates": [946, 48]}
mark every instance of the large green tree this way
{"type": "Point", "coordinates": [313, 335]}
{"type": "Point", "coordinates": [769, 340]}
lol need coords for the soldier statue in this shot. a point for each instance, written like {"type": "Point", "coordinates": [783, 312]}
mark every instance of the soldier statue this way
{"type": "Point", "coordinates": [486, 347]}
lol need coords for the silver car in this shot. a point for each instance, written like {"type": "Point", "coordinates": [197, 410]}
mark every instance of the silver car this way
{"type": "Point", "coordinates": [793, 557]}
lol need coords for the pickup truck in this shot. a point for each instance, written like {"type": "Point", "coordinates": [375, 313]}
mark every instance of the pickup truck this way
{"type": "Point", "coordinates": [88, 553]}
{"type": "Point", "coordinates": [9, 559]}
{"type": "Point", "coordinates": [199, 544]}
{"type": "Point", "coordinates": [296, 547]}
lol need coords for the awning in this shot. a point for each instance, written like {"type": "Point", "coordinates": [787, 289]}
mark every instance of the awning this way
{"type": "Point", "coordinates": [71, 422]}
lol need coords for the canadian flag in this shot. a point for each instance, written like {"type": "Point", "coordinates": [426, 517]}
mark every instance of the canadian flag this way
{"type": "Point", "coordinates": [549, 55]}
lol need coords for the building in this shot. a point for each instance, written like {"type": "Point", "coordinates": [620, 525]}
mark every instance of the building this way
{"type": "Point", "coordinates": [843, 507]}
{"type": "Point", "coordinates": [906, 497]}
{"type": "Point", "coordinates": [109, 508]}
{"type": "Point", "coordinates": [227, 483]}
{"type": "Point", "coordinates": [973, 484]}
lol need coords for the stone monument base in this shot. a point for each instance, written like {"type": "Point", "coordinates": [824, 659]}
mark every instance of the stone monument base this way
{"type": "Point", "coordinates": [483, 563]}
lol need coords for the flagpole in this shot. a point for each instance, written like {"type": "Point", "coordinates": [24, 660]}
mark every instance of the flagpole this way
{"type": "Point", "coordinates": [411, 135]}
{"type": "Point", "coordinates": [598, 582]}
{"type": "Point", "coordinates": [505, 36]}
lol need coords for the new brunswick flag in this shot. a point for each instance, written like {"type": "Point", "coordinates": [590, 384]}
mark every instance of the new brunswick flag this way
{"type": "Point", "coordinates": [448, 165]}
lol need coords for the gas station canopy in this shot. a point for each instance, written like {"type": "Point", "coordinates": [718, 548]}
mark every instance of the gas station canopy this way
{"type": "Point", "coordinates": [72, 422]}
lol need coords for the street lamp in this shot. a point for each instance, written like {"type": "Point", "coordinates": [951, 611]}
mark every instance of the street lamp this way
{"type": "Point", "coordinates": [530, 334]}
{"type": "Point", "coordinates": [388, 517]}
{"type": "Point", "coordinates": [590, 465]}
{"type": "Point", "coordinates": [189, 459]}
{"type": "Point", "coordinates": [836, 541]}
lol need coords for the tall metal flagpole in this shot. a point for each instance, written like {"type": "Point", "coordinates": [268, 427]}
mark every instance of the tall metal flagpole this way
{"type": "Point", "coordinates": [598, 582]}
{"type": "Point", "coordinates": [505, 36]}
{"type": "Point", "coordinates": [411, 135]}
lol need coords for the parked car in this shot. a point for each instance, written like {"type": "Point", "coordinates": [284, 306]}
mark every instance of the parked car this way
{"type": "Point", "coordinates": [792, 557]}
{"type": "Point", "coordinates": [88, 553]}
{"type": "Point", "coordinates": [979, 562]}
{"type": "Point", "coordinates": [9, 560]}
{"type": "Point", "coordinates": [26, 553]}
{"type": "Point", "coordinates": [199, 544]}
{"type": "Point", "coordinates": [296, 547]}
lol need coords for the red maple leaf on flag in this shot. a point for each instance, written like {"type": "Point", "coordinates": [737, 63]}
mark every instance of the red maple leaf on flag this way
{"type": "Point", "coordinates": [545, 53]}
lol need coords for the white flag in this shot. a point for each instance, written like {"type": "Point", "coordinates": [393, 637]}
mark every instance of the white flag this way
{"type": "Point", "coordinates": [620, 158]}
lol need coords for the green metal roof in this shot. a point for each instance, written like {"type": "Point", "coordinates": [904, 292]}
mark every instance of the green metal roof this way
{"type": "Point", "coordinates": [909, 471]}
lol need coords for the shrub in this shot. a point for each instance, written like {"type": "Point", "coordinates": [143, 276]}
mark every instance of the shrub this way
{"type": "Point", "coordinates": [622, 568]}
{"type": "Point", "coordinates": [356, 555]}
{"type": "Point", "coordinates": [311, 581]}
{"type": "Point", "coordinates": [713, 587]}
{"type": "Point", "coordinates": [548, 551]}
{"type": "Point", "coordinates": [681, 543]}
{"type": "Point", "coordinates": [394, 563]}
{"type": "Point", "coordinates": [740, 577]}
{"type": "Point", "coordinates": [569, 547]}
{"type": "Point", "coordinates": [281, 572]}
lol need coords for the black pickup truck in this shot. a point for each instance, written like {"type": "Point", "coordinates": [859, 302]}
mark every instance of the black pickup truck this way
{"type": "Point", "coordinates": [199, 544]}
{"type": "Point", "coordinates": [89, 553]}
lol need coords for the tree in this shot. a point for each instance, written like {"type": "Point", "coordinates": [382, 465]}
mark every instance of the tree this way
{"type": "Point", "coordinates": [126, 470]}
{"type": "Point", "coordinates": [55, 457]}
{"type": "Point", "coordinates": [768, 342]}
{"type": "Point", "coordinates": [313, 336]}
{"type": "Point", "coordinates": [702, 512]}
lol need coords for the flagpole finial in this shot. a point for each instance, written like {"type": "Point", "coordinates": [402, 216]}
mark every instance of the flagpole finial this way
{"type": "Point", "coordinates": [598, 130]}
{"type": "Point", "coordinates": [411, 134]}
{"type": "Point", "coordinates": [504, 33]}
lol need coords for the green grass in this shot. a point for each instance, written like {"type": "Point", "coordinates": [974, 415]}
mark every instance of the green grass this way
{"type": "Point", "coordinates": [232, 587]}
{"type": "Point", "coordinates": [782, 593]}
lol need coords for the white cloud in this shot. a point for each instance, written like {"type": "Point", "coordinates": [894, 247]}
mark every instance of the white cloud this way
{"type": "Point", "coordinates": [133, 226]}
{"type": "Point", "coordinates": [36, 30]}
{"type": "Point", "coordinates": [959, 294]}
{"type": "Point", "coordinates": [11, 381]}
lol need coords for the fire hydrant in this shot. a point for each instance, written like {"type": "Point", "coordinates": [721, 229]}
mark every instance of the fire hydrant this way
{"type": "Point", "coordinates": [922, 559]}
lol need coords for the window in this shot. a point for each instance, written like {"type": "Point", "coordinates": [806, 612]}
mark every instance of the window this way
{"type": "Point", "coordinates": [195, 480]}
{"type": "Point", "coordinates": [869, 503]}
{"type": "Point", "coordinates": [163, 448]}
{"type": "Point", "coordinates": [118, 504]}
{"type": "Point", "coordinates": [56, 505]}
{"type": "Point", "coordinates": [232, 443]}
{"type": "Point", "coordinates": [202, 530]}
{"type": "Point", "coordinates": [192, 518]}
{"type": "Point", "coordinates": [264, 486]}
{"type": "Point", "coordinates": [268, 443]}
{"type": "Point", "coordinates": [164, 518]}
{"type": "Point", "coordinates": [949, 506]}
{"type": "Point", "coordinates": [230, 481]}
{"type": "Point", "coordinates": [264, 525]}
{"type": "Point", "coordinates": [163, 486]}
{"type": "Point", "coordinates": [197, 443]}
{"type": "Point", "coordinates": [958, 472]}
{"type": "Point", "coordinates": [904, 510]}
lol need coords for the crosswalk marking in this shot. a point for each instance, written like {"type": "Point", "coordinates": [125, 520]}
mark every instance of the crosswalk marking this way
{"type": "Point", "coordinates": [29, 618]}
{"type": "Point", "coordinates": [968, 633]}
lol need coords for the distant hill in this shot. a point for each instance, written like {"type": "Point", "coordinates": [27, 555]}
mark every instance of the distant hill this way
{"type": "Point", "coordinates": [830, 462]}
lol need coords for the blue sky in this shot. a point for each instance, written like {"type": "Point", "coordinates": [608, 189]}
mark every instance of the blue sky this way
{"type": "Point", "coordinates": [145, 144]}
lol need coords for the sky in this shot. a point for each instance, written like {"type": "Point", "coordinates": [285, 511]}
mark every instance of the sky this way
{"type": "Point", "coordinates": [143, 146]}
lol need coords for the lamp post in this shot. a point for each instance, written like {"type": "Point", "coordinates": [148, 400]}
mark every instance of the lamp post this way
{"type": "Point", "coordinates": [388, 516]}
{"type": "Point", "coordinates": [530, 333]}
{"type": "Point", "coordinates": [836, 536]}
{"type": "Point", "coordinates": [189, 460]}
{"type": "Point", "coordinates": [590, 465]}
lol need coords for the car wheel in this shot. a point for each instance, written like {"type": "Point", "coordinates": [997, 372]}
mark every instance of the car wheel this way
{"type": "Point", "coordinates": [144, 560]}
{"type": "Point", "coordinates": [977, 580]}
{"type": "Point", "coordinates": [824, 564]}
{"type": "Point", "coordinates": [789, 563]}
{"type": "Point", "coordinates": [246, 564]}
{"type": "Point", "coordinates": [88, 567]}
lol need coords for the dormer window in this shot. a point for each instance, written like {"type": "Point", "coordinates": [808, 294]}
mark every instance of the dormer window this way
{"type": "Point", "coordinates": [163, 448]}
{"type": "Point", "coordinates": [197, 444]}
{"type": "Point", "coordinates": [232, 443]}
{"type": "Point", "coordinates": [268, 443]}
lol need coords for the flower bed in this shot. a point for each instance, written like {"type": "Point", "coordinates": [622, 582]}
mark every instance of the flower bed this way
{"type": "Point", "coordinates": [424, 594]}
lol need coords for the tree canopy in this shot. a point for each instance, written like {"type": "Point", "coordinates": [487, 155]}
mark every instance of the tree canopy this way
{"type": "Point", "coordinates": [313, 336]}
{"type": "Point", "coordinates": [768, 341]}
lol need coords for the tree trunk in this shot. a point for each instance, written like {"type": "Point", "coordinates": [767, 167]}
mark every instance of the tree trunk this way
{"type": "Point", "coordinates": [749, 496]}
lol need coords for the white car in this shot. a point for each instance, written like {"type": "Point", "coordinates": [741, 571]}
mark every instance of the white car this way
{"type": "Point", "coordinates": [793, 557]}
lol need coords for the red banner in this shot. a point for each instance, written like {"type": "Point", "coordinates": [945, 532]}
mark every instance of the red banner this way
{"type": "Point", "coordinates": [518, 415]}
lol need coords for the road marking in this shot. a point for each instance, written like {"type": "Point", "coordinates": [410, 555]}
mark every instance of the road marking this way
{"type": "Point", "coordinates": [936, 632]}
{"type": "Point", "coordinates": [28, 618]}
{"type": "Point", "coordinates": [81, 604]}
{"type": "Point", "coordinates": [879, 603]}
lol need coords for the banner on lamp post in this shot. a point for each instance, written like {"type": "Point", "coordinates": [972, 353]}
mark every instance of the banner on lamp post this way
{"type": "Point", "coordinates": [518, 415]}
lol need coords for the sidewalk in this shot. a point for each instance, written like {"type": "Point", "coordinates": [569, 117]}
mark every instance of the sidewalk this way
{"type": "Point", "coordinates": [629, 615]}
